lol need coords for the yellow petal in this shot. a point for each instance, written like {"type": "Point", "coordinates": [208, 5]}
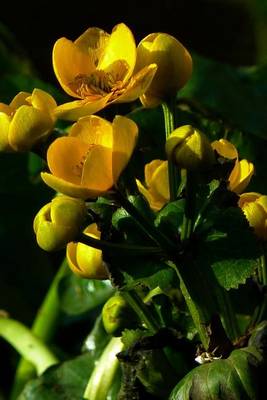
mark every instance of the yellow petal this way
{"type": "Point", "coordinates": [120, 47]}
{"type": "Point", "coordinates": [93, 41]}
{"type": "Point", "coordinates": [155, 204]}
{"type": "Point", "coordinates": [70, 61]}
{"type": "Point", "coordinates": [138, 84]}
{"type": "Point", "coordinates": [80, 108]}
{"type": "Point", "coordinates": [93, 130]}
{"type": "Point", "coordinates": [65, 158]}
{"type": "Point", "coordinates": [248, 198]}
{"type": "Point", "coordinates": [150, 168]}
{"type": "Point", "coordinates": [71, 251]}
{"type": "Point", "coordinates": [70, 189]}
{"type": "Point", "coordinates": [27, 127]}
{"type": "Point", "coordinates": [4, 108]}
{"type": "Point", "coordinates": [160, 183]}
{"type": "Point", "coordinates": [19, 100]}
{"type": "Point", "coordinates": [240, 176]}
{"type": "Point", "coordinates": [225, 149]}
{"type": "Point", "coordinates": [256, 217]}
{"type": "Point", "coordinates": [4, 132]}
{"type": "Point", "coordinates": [42, 101]}
{"type": "Point", "coordinates": [125, 133]}
{"type": "Point", "coordinates": [97, 169]}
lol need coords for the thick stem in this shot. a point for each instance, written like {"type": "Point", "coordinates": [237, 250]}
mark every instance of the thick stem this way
{"type": "Point", "coordinates": [27, 344]}
{"type": "Point", "coordinates": [43, 327]}
{"type": "Point", "coordinates": [169, 121]}
{"type": "Point", "coordinates": [189, 212]}
{"type": "Point", "coordinates": [104, 372]}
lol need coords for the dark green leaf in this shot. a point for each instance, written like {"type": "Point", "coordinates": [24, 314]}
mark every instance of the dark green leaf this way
{"type": "Point", "coordinates": [78, 295]}
{"type": "Point", "coordinates": [230, 248]}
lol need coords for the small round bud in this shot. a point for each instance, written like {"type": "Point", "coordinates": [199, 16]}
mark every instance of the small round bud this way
{"type": "Point", "coordinates": [59, 222]}
{"type": "Point", "coordinates": [189, 148]}
{"type": "Point", "coordinates": [86, 261]}
{"type": "Point", "coordinates": [117, 315]}
{"type": "Point", "coordinates": [254, 206]}
{"type": "Point", "coordinates": [174, 66]}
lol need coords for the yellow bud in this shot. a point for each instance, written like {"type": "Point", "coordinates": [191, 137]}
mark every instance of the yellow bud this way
{"type": "Point", "coordinates": [59, 222]}
{"type": "Point", "coordinates": [87, 261]}
{"type": "Point", "coordinates": [254, 206]}
{"type": "Point", "coordinates": [117, 315]}
{"type": "Point", "coordinates": [27, 120]}
{"type": "Point", "coordinates": [174, 66]}
{"type": "Point", "coordinates": [189, 148]}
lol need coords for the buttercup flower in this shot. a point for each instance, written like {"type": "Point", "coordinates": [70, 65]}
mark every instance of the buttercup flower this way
{"type": "Point", "coordinates": [190, 148]}
{"type": "Point", "coordinates": [156, 189]}
{"type": "Point", "coordinates": [87, 261]}
{"type": "Point", "coordinates": [97, 68]}
{"type": "Point", "coordinates": [28, 119]}
{"type": "Point", "coordinates": [89, 161]}
{"type": "Point", "coordinates": [174, 66]}
{"type": "Point", "coordinates": [254, 206]}
{"type": "Point", "coordinates": [243, 170]}
{"type": "Point", "coordinates": [58, 222]}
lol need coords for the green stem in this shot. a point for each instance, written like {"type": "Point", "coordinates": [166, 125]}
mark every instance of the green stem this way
{"type": "Point", "coordinates": [169, 121]}
{"type": "Point", "coordinates": [105, 245]}
{"type": "Point", "coordinates": [43, 327]}
{"type": "Point", "coordinates": [141, 310]}
{"type": "Point", "coordinates": [227, 313]}
{"type": "Point", "coordinates": [151, 231]}
{"type": "Point", "coordinates": [104, 372]}
{"type": "Point", "coordinates": [190, 194]}
{"type": "Point", "coordinates": [263, 306]}
{"type": "Point", "coordinates": [27, 344]}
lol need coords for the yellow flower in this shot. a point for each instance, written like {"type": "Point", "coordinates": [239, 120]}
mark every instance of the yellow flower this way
{"type": "Point", "coordinates": [174, 66]}
{"type": "Point", "coordinates": [28, 119]}
{"type": "Point", "coordinates": [243, 170]}
{"type": "Point", "coordinates": [190, 148]}
{"type": "Point", "coordinates": [89, 161]}
{"type": "Point", "coordinates": [98, 70]}
{"type": "Point", "coordinates": [87, 261]}
{"type": "Point", "coordinates": [254, 206]}
{"type": "Point", "coordinates": [58, 222]}
{"type": "Point", "coordinates": [156, 189]}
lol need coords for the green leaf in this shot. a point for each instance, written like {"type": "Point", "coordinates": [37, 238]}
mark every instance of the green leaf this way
{"type": "Point", "coordinates": [170, 217]}
{"type": "Point", "coordinates": [238, 378]}
{"type": "Point", "coordinates": [238, 95]}
{"type": "Point", "coordinates": [230, 248]}
{"type": "Point", "coordinates": [77, 295]}
{"type": "Point", "coordinates": [65, 382]}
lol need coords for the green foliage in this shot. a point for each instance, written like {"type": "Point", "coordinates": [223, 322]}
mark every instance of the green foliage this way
{"type": "Point", "coordinates": [238, 377]}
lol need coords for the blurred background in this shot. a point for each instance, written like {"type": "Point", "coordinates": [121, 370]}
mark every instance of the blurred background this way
{"type": "Point", "coordinates": [232, 32]}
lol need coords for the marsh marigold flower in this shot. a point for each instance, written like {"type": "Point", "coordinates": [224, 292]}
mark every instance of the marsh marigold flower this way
{"type": "Point", "coordinates": [86, 261]}
{"type": "Point", "coordinates": [28, 119]}
{"type": "Point", "coordinates": [156, 188]}
{"type": "Point", "coordinates": [243, 170]}
{"type": "Point", "coordinates": [89, 161]}
{"type": "Point", "coordinates": [190, 148]}
{"type": "Point", "coordinates": [254, 206]}
{"type": "Point", "coordinates": [58, 222]}
{"type": "Point", "coordinates": [174, 66]}
{"type": "Point", "coordinates": [97, 69]}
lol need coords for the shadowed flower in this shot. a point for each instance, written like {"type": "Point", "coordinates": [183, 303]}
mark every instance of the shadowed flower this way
{"type": "Point", "coordinates": [89, 161]}
{"type": "Point", "coordinates": [28, 119]}
{"type": "Point", "coordinates": [174, 66]}
{"type": "Point", "coordinates": [86, 261]}
{"type": "Point", "coordinates": [156, 188]}
{"type": "Point", "coordinates": [254, 206]}
{"type": "Point", "coordinates": [97, 68]}
{"type": "Point", "coordinates": [243, 170]}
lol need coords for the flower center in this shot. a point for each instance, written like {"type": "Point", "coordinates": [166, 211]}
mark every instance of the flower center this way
{"type": "Point", "coordinates": [99, 83]}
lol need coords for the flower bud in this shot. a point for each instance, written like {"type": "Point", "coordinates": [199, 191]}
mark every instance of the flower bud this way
{"type": "Point", "coordinates": [59, 222]}
{"type": "Point", "coordinates": [156, 188]}
{"type": "Point", "coordinates": [254, 206]}
{"type": "Point", "coordinates": [190, 149]}
{"type": "Point", "coordinates": [27, 120]}
{"type": "Point", "coordinates": [87, 261]}
{"type": "Point", "coordinates": [117, 315]}
{"type": "Point", "coordinates": [174, 66]}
